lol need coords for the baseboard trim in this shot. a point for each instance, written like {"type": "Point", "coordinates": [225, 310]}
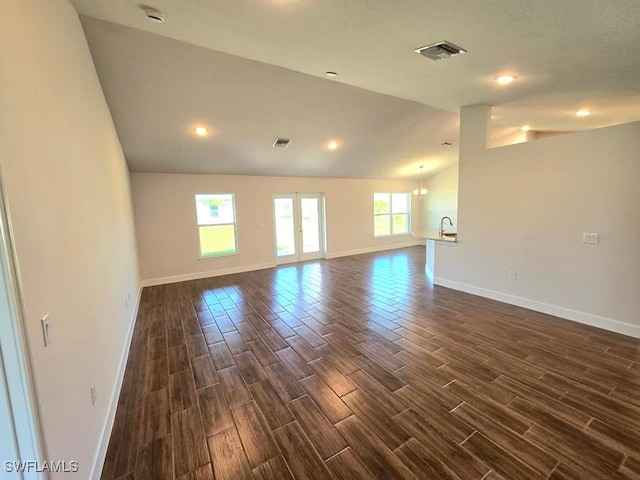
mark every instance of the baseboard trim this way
{"type": "Point", "coordinates": [381, 248]}
{"type": "Point", "coordinates": [151, 282]}
{"type": "Point", "coordinates": [101, 454]}
{"type": "Point", "coordinates": [210, 273]}
{"type": "Point", "coordinates": [562, 312]}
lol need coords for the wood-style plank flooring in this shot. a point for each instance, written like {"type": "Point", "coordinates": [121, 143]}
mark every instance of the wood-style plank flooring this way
{"type": "Point", "coordinates": [357, 368]}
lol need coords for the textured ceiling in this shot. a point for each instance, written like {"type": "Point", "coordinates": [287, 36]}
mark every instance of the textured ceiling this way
{"type": "Point", "coordinates": [564, 53]}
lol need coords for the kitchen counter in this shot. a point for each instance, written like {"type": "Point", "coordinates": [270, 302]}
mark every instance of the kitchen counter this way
{"type": "Point", "coordinates": [432, 240]}
{"type": "Point", "coordinates": [428, 235]}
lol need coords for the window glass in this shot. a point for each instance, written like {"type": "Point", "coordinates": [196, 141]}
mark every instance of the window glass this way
{"type": "Point", "coordinates": [214, 209]}
{"type": "Point", "coordinates": [391, 214]}
{"type": "Point", "coordinates": [381, 203]}
{"type": "Point", "coordinates": [215, 215]}
{"type": "Point", "coordinates": [400, 203]}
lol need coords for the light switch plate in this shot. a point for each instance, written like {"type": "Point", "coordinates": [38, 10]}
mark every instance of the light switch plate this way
{"type": "Point", "coordinates": [590, 238]}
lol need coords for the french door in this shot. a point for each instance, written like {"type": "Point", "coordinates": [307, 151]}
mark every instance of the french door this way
{"type": "Point", "coordinates": [299, 226]}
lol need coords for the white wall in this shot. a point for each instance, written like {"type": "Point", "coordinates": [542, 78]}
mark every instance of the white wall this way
{"type": "Point", "coordinates": [168, 237]}
{"type": "Point", "coordinates": [441, 200]}
{"type": "Point", "coordinates": [524, 207]}
{"type": "Point", "coordinates": [69, 204]}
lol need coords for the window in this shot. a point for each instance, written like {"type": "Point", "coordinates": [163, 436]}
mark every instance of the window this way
{"type": "Point", "coordinates": [391, 214]}
{"type": "Point", "coordinates": [216, 216]}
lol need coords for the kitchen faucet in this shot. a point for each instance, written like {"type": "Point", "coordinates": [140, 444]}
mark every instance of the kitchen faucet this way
{"type": "Point", "coordinates": [441, 231]}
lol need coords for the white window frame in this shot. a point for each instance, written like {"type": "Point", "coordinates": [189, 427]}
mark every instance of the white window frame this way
{"type": "Point", "coordinates": [234, 223]}
{"type": "Point", "coordinates": [391, 214]}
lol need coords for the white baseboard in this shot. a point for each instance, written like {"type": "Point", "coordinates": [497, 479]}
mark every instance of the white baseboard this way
{"type": "Point", "coordinates": [380, 248]}
{"type": "Point", "coordinates": [150, 282]}
{"type": "Point", "coordinates": [210, 273]}
{"type": "Point", "coordinates": [101, 454]}
{"type": "Point", "coordinates": [562, 312]}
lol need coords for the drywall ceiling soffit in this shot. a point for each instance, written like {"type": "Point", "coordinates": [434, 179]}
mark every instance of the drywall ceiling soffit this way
{"type": "Point", "coordinates": [558, 115]}
{"type": "Point", "coordinates": [159, 89]}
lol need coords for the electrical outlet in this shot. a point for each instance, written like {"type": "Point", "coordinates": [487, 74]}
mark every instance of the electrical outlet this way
{"type": "Point", "coordinates": [590, 238]}
{"type": "Point", "coordinates": [94, 393]}
{"type": "Point", "coordinates": [47, 330]}
{"type": "Point", "coordinates": [513, 275]}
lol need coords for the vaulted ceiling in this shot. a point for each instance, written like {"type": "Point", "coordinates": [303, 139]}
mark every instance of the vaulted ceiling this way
{"type": "Point", "coordinates": [159, 90]}
{"type": "Point", "coordinates": [251, 70]}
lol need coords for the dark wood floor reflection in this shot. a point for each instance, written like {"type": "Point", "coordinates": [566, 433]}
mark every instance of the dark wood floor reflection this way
{"type": "Point", "coordinates": [357, 368]}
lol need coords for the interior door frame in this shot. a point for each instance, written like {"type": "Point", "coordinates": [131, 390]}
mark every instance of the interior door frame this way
{"type": "Point", "coordinates": [299, 255]}
{"type": "Point", "coordinates": [19, 403]}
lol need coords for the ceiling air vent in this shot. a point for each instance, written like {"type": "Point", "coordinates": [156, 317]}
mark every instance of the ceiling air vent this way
{"type": "Point", "coordinates": [153, 14]}
{"type": "Point", "coordinates": [440, 50]}
{"type": "Point", "coordinates": [281, 143]}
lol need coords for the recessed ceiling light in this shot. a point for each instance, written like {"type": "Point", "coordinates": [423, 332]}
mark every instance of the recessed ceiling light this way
{"type": "Point", "coordinates": [331, 74]}
{"type": "Point", "coordinates": [153, 14]}
{"type": "Point", "coordinates": [583, 113]}
{"type": "Point", "coordinates": [505, 79]}
{"type": "Point", "coordinates": [332, 145]}
{"type": "Point", "coordinates": [525, 128]}
{"type": "Point", "coordinates": [201, 131]}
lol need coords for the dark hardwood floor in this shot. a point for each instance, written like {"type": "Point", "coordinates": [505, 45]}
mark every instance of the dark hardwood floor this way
{"type": "Point", "coordinates": [358, 368]}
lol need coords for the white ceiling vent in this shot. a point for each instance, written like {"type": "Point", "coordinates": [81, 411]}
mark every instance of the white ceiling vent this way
{"type": "Point", "coordinates": [440, 50]}
{"type": "Point", "coordinates": [281, 143]}
{"type": "Point", "coordinates": [153, 14]}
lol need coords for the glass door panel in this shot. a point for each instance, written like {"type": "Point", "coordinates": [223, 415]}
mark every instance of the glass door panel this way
{"type": "Point", "coordinates": [285, 226]}
{"type": "Point", "coordinates": [299, 226]}
{"type": "Point", "coordinates": [309, 208]}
